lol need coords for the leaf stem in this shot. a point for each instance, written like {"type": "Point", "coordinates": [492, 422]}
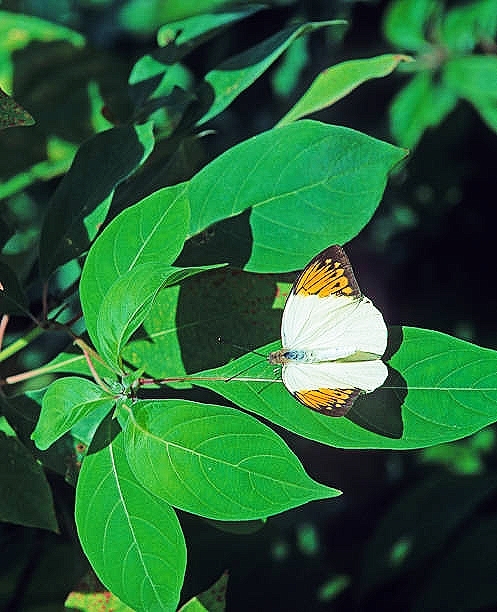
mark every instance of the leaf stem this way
{"type": "Point", "coordinates": [88, 353]}
{"type": "Point", "coordinates": [193, 378]}
{"type": "Point", "coordinates": [3, 326]}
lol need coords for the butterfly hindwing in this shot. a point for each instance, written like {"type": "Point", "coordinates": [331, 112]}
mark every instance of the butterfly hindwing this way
{"type": "Point", "coordinates": [364, 375]}
{"type": "Point", "coordinates": [332, 387]}
{"type": "Point", "coordinates": [332, 402]}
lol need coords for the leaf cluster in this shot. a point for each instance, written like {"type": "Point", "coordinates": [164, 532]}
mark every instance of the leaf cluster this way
{"type": "Point", "coordinates": [455, 59]}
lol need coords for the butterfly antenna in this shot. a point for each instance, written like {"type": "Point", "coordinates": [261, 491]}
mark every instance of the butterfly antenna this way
{"type": "Point", "coordinates": [242, 348]}
{"type": "Point", "coordinates": [246, 350]}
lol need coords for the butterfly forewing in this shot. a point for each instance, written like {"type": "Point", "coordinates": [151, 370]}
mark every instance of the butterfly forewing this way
{"type": "Point", "coordinates": [329, 273]}
{"type": "Point", "coordinates": [323, 323]}
{"type": "Point", "coordinates": [326, 308]}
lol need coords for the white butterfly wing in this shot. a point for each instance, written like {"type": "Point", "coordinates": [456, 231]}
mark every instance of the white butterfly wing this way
{"type": "Point", "coordinates": [332, 387]}
{"type": "Point", "coordinates": [312, 322]}
{"type": "Point", "coordinates": [363, 375]}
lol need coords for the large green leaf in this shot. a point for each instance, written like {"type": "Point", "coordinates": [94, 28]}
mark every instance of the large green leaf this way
{"type": "Point", "coordinates": [232, 77]}
{"type": "Point", "coordinates": [214, 461]}
{"type": "Point", "coordinates": [193, 314]}
{"type": "Point", "coordinates": [153, 230]}
{"type": "Point", "coordinates": [336, 82]}
{"type": "Point", "coordinates": [132, 539]}
{"type": "Point", "coordinates": [128, 302]}
{"type": "Point", "coordinates": [125, 307]}
{"type": "Point", "coordinates": [307, 184]}
{"type": "Point", "coordinates": [82, 199]}
{"type": "Point", "coordinates": [66, 402]}
{"type": "Point", "coordinates": [439, 389]}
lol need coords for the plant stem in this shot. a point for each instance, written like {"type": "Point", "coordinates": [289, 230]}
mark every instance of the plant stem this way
{"type": "Point", "coordinates": [19, 344]}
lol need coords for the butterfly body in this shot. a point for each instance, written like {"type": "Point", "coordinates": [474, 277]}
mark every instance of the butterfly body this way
{"type": "Point", "coordinates": [310, 355]}
{"type": "Point", "coordinates": [333, 337]}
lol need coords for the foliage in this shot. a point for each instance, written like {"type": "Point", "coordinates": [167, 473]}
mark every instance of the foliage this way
{"type": "Point", "coordinates": [454, 49]}
{"type": "Point", "coordinates": [164, 247]}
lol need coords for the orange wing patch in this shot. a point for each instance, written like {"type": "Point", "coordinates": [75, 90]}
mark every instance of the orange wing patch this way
{"type": "Point", "coordinates": [329, 273]}
{"type": "Point", "coordinates": [332, 402]}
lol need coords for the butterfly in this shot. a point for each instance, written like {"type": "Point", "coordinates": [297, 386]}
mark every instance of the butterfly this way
{"type": "Point", "coordinates": [333, 337]}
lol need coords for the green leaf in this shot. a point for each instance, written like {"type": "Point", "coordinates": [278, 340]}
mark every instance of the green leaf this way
{"type": "Point", "coordinates": [160, 90]}
{"type": "Point", "coordinates": [421, 104]}
{"type": "Point", "coordinates": [193, 314]}
{"type": "Point", "coordinates": [24, 489]}
{"type": "Point", "coordinates": [153, 230]}
{"type": "Point", "coordinates": [419, 525]}
{"type": "Point", "coordinates": [232, 77]}
{"type": "Point", "coordinates": [215, 461]}
{"type": "Point", "coordinates": [125, 306]}
{"type": "Point", "coordinates": [128, 302]}
{"type": "Point", "coordinates": [440, 389]}
{"type": "Point", "coordinates": [286, 76]}
{"type": "Point", "coordinates": [464, 27]}
{"type": "Point", "coordinates": [147, 15]}
{"type": "Point", "coordinates": [132, 539]}
{"type": "Point", "coordinates": [154, 77]}
{"type": "Point", "coordinates": [211, 600]}
{"type": "Point", "coordinates": [12, 114]}
{"type": "Point", "coordinates": [472, 77]}
{"type": "Point", "coordinates": [487, 110]}
{"type": "Point", "coordinates": [82, 199]}
{"type": "Point", "coordinates": [89, 602]}
{"type": "Point", "coordinates": [308, 185]}
{"type": "Point", "coordinates": [196, 29]}
{"type": "Point", "coordinates": [473, 561]}
{"type": "Point", "coordinates": [22, 412]}
{"type": "Point", "coordinates": [406, 24]}
{"type": "Point", "coordinates": [75, 363]}
{"type": "Point", "coordinates": [336, 82]}
{"type": "Point", "coordinates": [66, 402]}
{"type": "Point", "coordinates": [13, 300]}
{"type": "Point", "coordinates": [17, 31]}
